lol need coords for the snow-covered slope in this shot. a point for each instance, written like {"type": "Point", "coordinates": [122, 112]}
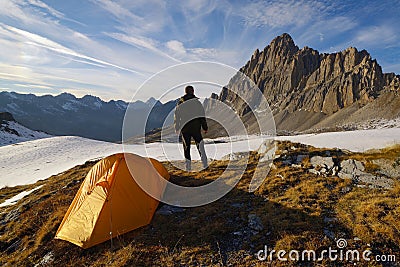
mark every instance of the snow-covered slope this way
{"type": "Point", "coordinates": [12, 132]}
{"type": "Point", "coordinates": [356, 141]}
{"type": "Point", "coordinates": [30, 161]}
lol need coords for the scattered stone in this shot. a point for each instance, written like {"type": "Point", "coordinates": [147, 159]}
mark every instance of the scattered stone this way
{"type": "Point", "coordinates": [324, 162]}
{"type": "Point", "coordinates": [168, 210]}
{"type": "Point", "coordinates": [46, 260]}
{"type": "Point", "coordinates": [354, 169]}
{"type": "Point", "coordinates": [287, 162]}
{"type": "Point", "coordinates": [236, 156]}
{"type": "Point", "coordinates": [300, 158]}
{"type": "Point", "coordinates": [387, 167]}
{"type": "Point", "coordinates": [335, 170]}
{"type": "Point", "coordinates": [345, 189]}
{"type": "Point", "coordinates": [237, 205]}
{"type": "Point", "coordinates": [254, 222]}
{"type": "Point", "coordinates": [329, 220]}
{"type": "Point", "coordinates": [329, 234]}
{"type": "Point", "coordinates": [314, 171]}
{"type": "Point", "coordinates": [11, 216]}
{"type": "Point", "coordinates": [14, 246]}
{"type": "Point", "coordinates": [376, 181]}
{"type": "Point", "coordinates": [351, 169]}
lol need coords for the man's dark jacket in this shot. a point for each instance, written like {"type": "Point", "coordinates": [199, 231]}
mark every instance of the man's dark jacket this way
{"type": "Point", "coordinates": [189, 115]}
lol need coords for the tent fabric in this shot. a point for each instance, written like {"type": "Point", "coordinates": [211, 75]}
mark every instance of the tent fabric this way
{"type": "Point", "coordinates": [110, 202]}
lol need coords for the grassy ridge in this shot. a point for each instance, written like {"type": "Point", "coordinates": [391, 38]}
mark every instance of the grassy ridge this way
{"type": "Point", "coordinates": [297, 209]}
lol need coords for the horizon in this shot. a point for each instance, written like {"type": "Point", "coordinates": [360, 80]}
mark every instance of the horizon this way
{"type": "Point", "coordinates": [104, 100]}
{"type": "Point", "coordinates": [109, 48]}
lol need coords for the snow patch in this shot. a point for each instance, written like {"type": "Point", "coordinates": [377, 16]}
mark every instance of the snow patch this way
{"type": "Point", "coordinates": [31, 161]}
{"type": "Point", "coordinates": [356, 141]}
{"type": "Point", "coordinates": [16, 198]}
{"type": "Point", "coordinates": [69, 106]}
{"type": "Point", "coordinates": [8, 134]}
{"type": "Point", "coordinates": [98, 104]}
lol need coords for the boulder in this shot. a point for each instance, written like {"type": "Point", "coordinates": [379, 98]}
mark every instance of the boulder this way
{"type": "Point", "coordinates": [351, 169]}
{"type": "Point", "coordinates": [323, 162]}
{"type": "Point", "coordinates": [388, 167]}
{"type": "Point", "coordinates": [355, 170]}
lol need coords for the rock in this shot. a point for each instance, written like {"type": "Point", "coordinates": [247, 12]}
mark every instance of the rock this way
{"type": "Point", "coordinates": [345, 189]}
{"type": "Point", "coordinates": [11, 216]}
{"type": "Point", "coordinates": [388, 167]}
{"type": "Point", "coordinates": [237, 205]}
{"type": "Point", "coordinates": [354, 169]}
{"type": "Point", "coordinates": [168, 210]}
{"type": "Point", "coordinates": [376, 181]}
{"type": "Point", "coordinates": [329, 234]}
{"type": "Point", "coordinates": [287, 162]}
{"type": "Point", "coordinates": [300, 158]}
{"type": "Point", "coordinates": [236, 156]}
{"type": "Point", "coordinates": [329, 220]}
{"type": "Point", "coordinates": [47, 260]}
{"type": "Point", "coordinates": [314, 171]}
{"type": "Point", "coordinates": [351, 169]}
{"type": "Point", "coordinates": [323, 162]}
{"type": "Point", "coordinates": [255, 223]}
{"type": "Point", "coordinates": [335, 170]}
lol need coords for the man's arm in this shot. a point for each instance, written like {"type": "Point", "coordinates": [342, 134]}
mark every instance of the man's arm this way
{"type": "Point", "coordinates": [203, 120]}
{"type": "Point", "coordinates": [177, 117]}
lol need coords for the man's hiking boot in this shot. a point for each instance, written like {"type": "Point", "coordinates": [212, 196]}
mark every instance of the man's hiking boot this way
{"type": "Point", "coordinates": [188, 165]}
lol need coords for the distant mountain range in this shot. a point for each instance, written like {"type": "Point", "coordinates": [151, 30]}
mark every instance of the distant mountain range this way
{"type": "Point", "coordinates": [309, 91]}
{"type": "Point", "coordinates": [88, 116]}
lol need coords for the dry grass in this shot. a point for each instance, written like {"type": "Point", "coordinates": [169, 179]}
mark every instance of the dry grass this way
{"type": "Point", "coordinates": [296, 208]}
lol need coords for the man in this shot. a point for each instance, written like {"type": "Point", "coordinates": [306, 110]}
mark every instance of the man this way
{"type": "Point", "coordinates": [188, 121]}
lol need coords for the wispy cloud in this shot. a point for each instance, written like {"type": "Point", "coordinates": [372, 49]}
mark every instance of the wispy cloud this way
{"type": "Point", "coordinates": [37, 40]}
{"type": "Point", "coordinates": [33, 86]}
{"type": "Point", "coordinates": [141, 42]}
{"type": "Point", "coordinates": [49, 9]}
{"type": "Point", "coordinates": [377, 35]}
{"type": "Point", "coordinates": [280, 13]}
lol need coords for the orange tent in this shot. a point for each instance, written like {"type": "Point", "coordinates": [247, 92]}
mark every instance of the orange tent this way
{"type": "Point", "coordinates": [110, 203]}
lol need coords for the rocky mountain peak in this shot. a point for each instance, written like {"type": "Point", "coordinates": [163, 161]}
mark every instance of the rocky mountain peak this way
{"type": "Point", "coordinates": [283, 45]}
{"type": "Point", "coordinates": [294, 80]}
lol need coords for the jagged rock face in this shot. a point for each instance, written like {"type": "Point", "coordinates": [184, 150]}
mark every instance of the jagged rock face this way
{"type": "Point", "coordinates": [295, 79]}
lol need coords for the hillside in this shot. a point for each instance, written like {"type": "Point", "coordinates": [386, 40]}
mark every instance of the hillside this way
{"type": "Point", "coordinates": [295, 208]}
{"type": "Point", "coordinates": [311, 91]}
{"type": "Point", "coordinates": [12, 132]}
{"type": "Point", "coordinates": [88, 116]}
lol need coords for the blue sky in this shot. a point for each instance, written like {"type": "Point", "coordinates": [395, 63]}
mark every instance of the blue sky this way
{"type": "Point", "coordinates": [109, 48]}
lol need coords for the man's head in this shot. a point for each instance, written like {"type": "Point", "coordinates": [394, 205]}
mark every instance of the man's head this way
{"type": "Point", "coordinates": [189, 90]}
